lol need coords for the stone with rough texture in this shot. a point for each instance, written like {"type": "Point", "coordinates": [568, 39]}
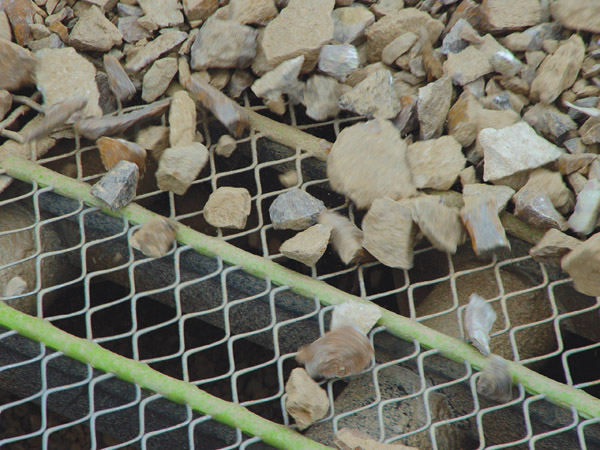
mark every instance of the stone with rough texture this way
{"type": "Point", "coordinates": [240, 81]}
{"type": "Point", "coordinates": [155, 238]}
{"type": "Point", "coordinates": [5, 31]}
{"type": "Point", "coordinates": [15, 286]}
{"type": "Point", "coordinates": [164, 13]}
{"type": "Point", "coordinates": [21, 14]}
{"type": "Point", "coordinates": [306, 401]}
{"type": "Point", "coordinates": [349, 24]}
{"type": "Point", "coordinates": [388, 233]}
{"type": "Point", "coordinates": [583, 265]}
{"type": "Point", "coordinates": [117, 188]}
{"type": "Point", "coordinates": [5, 103]}
{"type": "Point", "coordinates": [489, 118]}
{"type": "Point", "coordinates": [112, 151]}
{"type": "Point", "coordinates": [182, 119]}
{"type": "Point", "coordinates": [295, 210]}
{"type": "Point", "coordinates": [157, 79]}
{"type": "Point", "coordinates": [339, 61]}
{"type": "Point", "coordinates": [479, 320]}
{"type": "Point", "coordinates": [354, 314]}
{"type": "Point", "coordinates": [131, 30]}
{"type": "Point", "coordinates": [16, 66]}
{"type": "Point", "coordinates": [467, 66]}
{"type": "Point", "coordinates": [153, 49]}
{"type": "Point", "coordinates": [118, 80]}
{"type": "Point", "coordinates": [211, 50]}
{"type": "Point", "coordinates": [199, 9]}
{"type": "Point", "coordinates": [503, 15]}
{"type": "Point", "coordinates": [558, 71]}
{"type": "Point", "coordinates": [225, 146]}
{"type": "Point", "coordinates": [384, 7]}
{"type": "Point", "coordinates": [435, 163]}
{"type": "Point", "coordinates": [577, 14]}
{"type": "Point", "coordinates": [552, 184]}
{"type": "Point", "coordinates": [499, 194]}
{"type": "Point", "coordinates": [548, 121]}
{"type": "Point", "coordinates": [440, 224]}
{"type": "Point", "coordinates": [433, 105]}
{"type": "Point", "coordinates": [94, 32]}
{"type": "Point", "coordinates": [283, 79]}
{"type": "Point", "coordinates": [453, 43]}
{"type": "Point", "coordinates": [468, 176]}
{"type": "Point", "coordinates": [301, 28]}
{"type": "Point", "coordinates": [307, 246]}
{"type": "Point", "coordinates": [321, 95]}
{"type": "Point", "coordinates": [583, 220]}
{"type": "Point", "coordinates": [481, 220]}
{"type": "Point", "coordinates": [514, 149]}
{"type": "Point", "coordinates": [179, 167]}
{"type": "Point", "coordinates": [346, 238]}
{"type": "Point", "coordinates": [347, 438]}
{"type": "Point", "coordinates": [368, 161]}
{"type": "Point", "coordinates": [536, 209]}
{"type": "Point", "coordinates": [398, 47]}
{"type": "Point", "coordinates": [590, 131]}
{"type": "Point", "coordinates": [154, 139]}
{"type": "Point", "coordinates": [228, 207]}
{"type": "Point", "coordinates": [255, 12]}
{"type": "Point", "coordinates": [463, 119]}
{"type": "Point", "coordinates": [373, 97]}
{"type": "Point", "coordinates": [553, 246]}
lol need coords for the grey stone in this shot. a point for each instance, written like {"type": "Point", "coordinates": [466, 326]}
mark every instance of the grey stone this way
{"type": "Point", "coordinates": [118, 186]}
{"type": "Point", "coordinates": [495, 381]}
{"type": "Point", "coordinates": [440, 224]}
{"type": "Point", "coordinates": [548, 121]}
{"type": "Point", "coordinates": [452, 42]}
{"type": "Point", "coordinates": [584, 218]}
{"type": "Point", "coordinates": [307, 246]}
{"type": "Point", "coordinates": [179, 167]}
{"type": "Point", "coordinates": [373, 97]}
{"type": "Point", "coordinates": [94, 32]}
{"type": "Point", "coordinates": [228, 207]}
{"type": "Point", "coordinates": [553, 246]}
{"type": "Point", "coordinates": [118, 80]}
{"type": "Point", "coordinates": [339, 61]}
{"type": "Point", "coordinates": [433, 105]}
{"type": "Point", "coordinates": [240, 81]}
{"type": "Point", "coordinates": [153, 49]}
{"type": "Point", "coordinates": [349, 24]}
{"type": "Point", "coordinates": [483, 224]}
{"type": "Point", "coordinates": [131, 30]}
{"type": "Point", "coordinates": [321, 95]}
{"type": "Point", "coordinates": [536, 209]}
{"type": "Point", "coordinates": [295, 210]}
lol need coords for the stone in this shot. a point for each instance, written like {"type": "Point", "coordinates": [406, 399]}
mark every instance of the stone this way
{"type": "Point", "coordinates": [499, 194]}
{"type": "Point", "coordinates": [432, 107]}
{"type": "Point", "coordinates": [321, 95]}
{"type": "Point", "coordinates": [575, 146]}
{"type": "Point", "coordinates": [505, 63]}
{"type": "Point", "coordinates": [39, 31]}
{"type": "Point", "coordinates": [179, 167]}
{"type": "Point", "coordinates": [577, 15]}
{"type": "Point", "coordinates": [508, 15]}
{"type": "Point", "coordinates": [339, 61]}
{"type": "Point", "coordinates": [584, 218]}
{"type": "Point", "coordinates": [15, 286]}
{"type": "Point", "coordinates": [452, 42]}
{"type": "Point", "coordinates": [535, 208]}
{"type": "Point", "coordinates": [153, 138]}
{"type": "Point", "coordinates": [440, 224]}
{"type": "Point", "coordinates": [386, 29]}
{"type": "Point", "coordinates": [21, 15]}
{"type": "Point", "coordinates": [398, 47]}
{"type": "Point", "coordinates": [307, 246]}
{"type": "Point", "coordinates": [5, 31]}
{"type": "Point", "coordinates": [578, 162]}
{"type": "Point", "coordinates": [225, 146]}
{"type": "Point", "coordinates": [228, 207]}
{"type": "Point", "coordinates": [373, 97]}
{"type": "Point", "coordinates": [481, 220]}
{"type": "Point", "coordinates": [548, 121]}
{"type": "Point", "coordinates": [5, 103]}
{"type": "Point", "coordinates": [346, 238]}
{"type": "Point", "coordinates": [118, 186]}
{"type": "Point", "coordinates": [407, 120]}
{"type": "Point", "coordinates": [283, 79]}
{"type": "Point", "coordinates": [306, 401]}
{"type": "Point", "coordinates": [435, 163]}
{"type": "Point", "coordinates": [463, 119]}
{"type": "Point", "coordinates": [301, 28]}
{"type": "Point", "coordinates": [157, 78]}
{"type": "Point", "coordinates": [479, 320]}
{"type": "Point", "coordinates": [349, 438]}
{"type": "Point", "coordinates": [497, 120]}
{"type": "Point", "coordinates": [155, 238]}
{"type": "Point", "coordinates": [240, 81]}
{"type": "Point", "coordinates": [388, 233]}
{"type": "Point", "coordinates": [164, 13]}
{"type": "Point", "coordinates": [295, 210]}
{"type": "Point", "coordinates": [590, 131]}
{"type": "Point", "coordinates": [577, 182]}
{"type": "Point", "coordinates": [467, 66]}
{"type": "Point", "coordinates": [552, 184]}
{"type": "Point", "coordinates": [553, 246]}
{"type": "Point", "coordinates": [514, 149]}
{"type": "Point", "coordinates": [94, 32]}
{"type": "Point", "coordinates": [583, 265]}
{"type": "Point", "coordinates": [154, 49]}
{"type": "Point", "coordinates": [255, 12]}
{"type": "Point", "coordinates": [368, 161]}
{"type": "Point", "coordinates": [118, 80]}
{"type": "Point", "coordinates": [289, 178]}
{"type": "Point", "coordinates": [56, 116]}
{"type": "Point", "coordinates": [131, 30]}
{"type": "Point", "coordinates": [112, 151]}
{"type": "Point", "coordinates": [199, 9]}
{"type": "Point", "coordinates": [182, 120]}
{"type": "Point", "coordinates": [384, 7]}
{"type": "Point", "coordinates": [558, 71]}
{"type": "Point", "coordinates": [468, 176]}
{"type": "Point", "coordinates": [349, 24]}
{"type": "Point", "coordinates": [16, 66]}
{"type": "Point", "coordinates": [362, 316]}
{"type": "Point", "coordinates": [210, 50]}
{"type": "Point", "coordinates": [62, 74]}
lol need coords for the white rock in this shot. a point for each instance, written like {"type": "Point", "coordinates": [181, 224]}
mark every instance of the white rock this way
{"type": "Point", "coordinates": [306, 401]}
{"type": "Point", "coordinates": [339, 61]}
{"type": "Point", "coordinates": [349, 24]}
{"type": "Point", "coordinates": [500, 194]}
{"type": "Point", "coordinates": [433, 106]}
{"type": "Point", "coordinates": [15, 286]}
{"type": "Point", "coordinates": [479, 320]}
{"type": "Point", "coordinates": [164, 13]}
{"type": "Point", "coordinates": [182, 119]}
{"type": "Point", "coordinates": [435, 163]}
{"type": "Point", "coordinates": [398, 47]}
{"type": "Point", "coordinates": [373, 97]}
{"type": "Point", "coordinates": [583, 220]}
{"type": "Point", "coordinates": [440, 224]}
{"type": "Point", "coordinates": [225, 146]}
{"type": "Point", "coordinates": [346, 238]}
{"type": "Point", "coordinates": [153, 49]}
{"type": "Point", "coordinates": [283, 79]}
{"type": "Point", "coordinates": [157, 79]}
{"type": "Point", "coordinates": [359, 315]}
{"type": "Point", "coordinates": [228, 207]}
{"type": "Point", "coordinates": [321, 95]}
{"type": "Point", "coordinates": [307, 246]}
{"type": "Point", "coordinates": [179, 167]}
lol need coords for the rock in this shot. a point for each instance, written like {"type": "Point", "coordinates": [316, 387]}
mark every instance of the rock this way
{"type": "Point", "coordinates": [281, 80]}
{"type": "Point", "coordinates": [307, 246]}
{"type": "Point", "coordinates": [131, 30]}
{"type": "Point", "coordinates": [558, 71]}
{"type": "Point", "coordinates": [112, 151]}
{"type": "Point", "coordinates": [15, 286]}
{"type": "Point", "coordinates": [153, 138]}
{"type": "Point", "coordinates": [240, 81]}
{"type": "Point", "coordinates": [535, 208]}
{"type": "Point", "coordinates": [468, 176]}
{"type": "Point", "coordinates": [16, 66]}
{"type": "Point", "coordinates": [495, 381]}
{"type": "Point", "coordinates": [339, 61]}
{"type": "Point", "coordinates": [514, 149]}
{"type": "Point", "coordinates": [452, 42]}
{"type": "Point", "coordinates": [5, 31]}
{"type": "Point", "coordinates": [505, 15]}
{"type": "Point", "coordinates": [553, 246]}
{"type": "Point", "coordinates": [384, 7]}
{"type": "Point", "coordinates": [549, 121]}
{"type": "Point", "coordinates": [347, 438]}
{"type": "Point", "coordinates": [62, 74]}
{"type": "Point", "coordinates": [349, 24]}
{"type": "Point", "coordinates": [577, 15]}
{"type": "Point", "coordinates": [590, 131]}
{"type": "Point", "coordinates": [21, 15]}
{"type": "Point", "coordinates": [56, 116]}
{"type": "Point", "coordinates": [386, 29]}
{"type": "Point", "coordinates": [228, 207]}
{"type": "Point", "coordinates": [155, 238]}
{"type": "Point", "coordinates": [583, 265]}
{"type": "Point", "coordinates": [407, 120]}
{"type": "Point", "coordinates": [398, 47]}
{"type": "Point", "coordinates": [433, 105]}
{"type": "Point", "coordinates": [440, 224]}
{"type": "Point", "coordinates": [425, 158]}
{"type": "Point", "coordinates": [373, 97]}
{"type": "Point", "coordinates": [321, 96]}
{"type": "Point", "coordinates": [496, 120]}
{"type": "Point", "coordinates": [210, 50]}
{"type": "Point", "coordinates": [583, 220]}
{"type": "Point", "coordinates": [575, 146]}
{"type": "Point", "coordinates": [463, 119]}
{"type": "Point", "coordinates": [179, 167]}
{"type": "Point", "coordinates": [552, 184]}
{"type": "Point", "coordinates": [153, 49]}
{"type": "Point", "coordinates": [199, 9]}
{"type": "Point", "coordinates": [578, 162]}
{"type": "Point", "coordinates": [577, 182]}
{"type": "Point", "coordinates": [5, 103]}
{"type": "Point", "coordinates": [118, 79]}
{"type": "Point", "coordinates": [94, 32]}
{"type": "Point", "coordinates": [301, 28]}
{"type": "Point", "coordinates": [479, 320]}
{"type": "Point", "coordinates": [255, 12]}
{"type": "Point", "coordinates": [346, 238]}
{"type": "Point", "coordinates": [225, 146]}
{"type": "Point", "coordinates": [467, 66]}
{"type": "Point", "coordinates": [306, 401]}
{"type": "Point", "coordinates": [368, 161]}
{"type": "Point", "coordinates": [295, 210]}
{"type": "Point", "coordinates": [481, 220]}
{"type": "Point", "coordinates": [182, 120]}
{"type": "Point", "coordinates": [362, 316]}
{"type": "Point", "coordinates": [157, 79]}
{"type": "Point", "coordinates": [164, 13]}
{"type": "Point", "coordinates": [117, 187]}
{"type": "Point", "coordinates": [499, 194]}
{"type": "Point", "coordinates": [505, 63]}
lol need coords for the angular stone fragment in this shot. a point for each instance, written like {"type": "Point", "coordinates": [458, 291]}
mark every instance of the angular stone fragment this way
{"type": "Point", "coordinates": [349, 24]}
{"type": "Point", "coordinates": [301, 28]}
{"type": "Point", "coordinates": [339, 61]}
{"type": "Point", "coordinates": [154, 139]}
{"type": "Point", "coordinates": [179, 167]}
{"type": "Point", "coordinates": [55, 116]}
{"type": "Point", "coordinates": [118, 79]}
{"type": "Point", "coordinates": [499, 194]}
{"type": "Point", "coordinates": [552, 184]}
{"type": "Point", "coordinates": [398, 47]}
{"type": "Point", "coordinates": [581, 15]}
{"type": "Point", "coordinates": [155, 238]}
{"type": "Point", "coordinates": [488, 118]}
{"type": "Point", "coordinates": [435, 163]}
{"type": "Point", "coordinates": [467, 66]}
{"type": "Point", "coordinates": [164, 13]}
{"type": "Point", "coordinates": [514, 149]}
{"type": "Point", "coordinates": [321, 96]}
{"type": "Point", "coordinates": [16, 66]}
{"type": "Point", "coordinates": [240, 81]}
{"type": "Point", "coordinates": [373, 97]}
{"type": "Point", "coordinates": [157, 79]}
{"type": "Point", "coordinates": [283, 79]}
{"type": "Point", "coordinates": [433, 105]}
{"type": "Point", "coordinates": [211, 50]}
{"type": "Point", "coordinates": [583, 265]}
{"type": "Point", "coordinates": [558, 71]}
{"type": "Point", "coordinates": [306, 401]}
{"type": "Point", "coordinates": [295, 210]}
{"type": "Point", "coordinates": [94, 32]}
{"type": "Point", "coordinates": [21, 15]}
{"type": "Point", "coordinates": [453, 43]}
{"type": "Point", "coordinates": [256, 12]}
{"type": "Point", "coordinates": [199, 9]}
{"type": "Point", "coordinates": [578, 162]}
{"type": "Point", "coordinates": [505, 63]}
{"type": "Point", "coordinates": [5, 103]}
{"type": "Point", "coordinates": [503, 15]}
{"type": "Point", "coordinates": [307, 246]}
{"type": "Point", "coordinates": [182, 120]}
{"type": "Point", "coordinates": [463, 119]}
{"type": "Point", "coordinates": [359, 315]}
{"type": "Point", "coordinates": [386, 29]}
{"type": "Point", "coordinates": [577, 182]}
{"type": "Point", "coordinates": [584, 218]}
{"type": "Point", "coordinates": [388, 233]}
{"type": "Point", "coordinates": [481, 220]}
{"type": "Point", "coordinates": [117, 187]}
{"type": "Point", "coordinates": [346, 238]}
{"type": "Point", "coordinates": [368, 161]}
{"type": "Point", "coordinates": [347, 438]}
{"type": "Point", "coordinates": [590, 131]}
{"type": "Point", "coordinates": [553, 246]}
{"type": "Point", "coordinates": [468, 176]}
{"type": "Point", "coordinates": [112, 151]}
{"type": "Point", "coordinates": [225, 146]}
{"type": "Point", "coordinates": [153, 49]}
{"type": "Point", "coordinates": [479, 320]}
{"type": "Point", "coordinates": [440, 224]}
{"type": "Point", "coordinates": [288, 178]}
{"type": "Point", "coordinates": [131, 30]}
{"type": "Point", "coordinates": [228, 207]}
{"type": "Point", "coordinates": [535, 208]}
{"type": "Point", "coordinates": [548, 120]}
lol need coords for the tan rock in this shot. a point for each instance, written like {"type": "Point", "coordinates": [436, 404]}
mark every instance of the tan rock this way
{"type": "Point", "coordinates": [362, 316]}
{"type": "Point", "coordinates": [114, 150]}
{"type": "Point", "coordinates": [228, 207]}
{"type": "Point", "coordinates": [558, 71]}
{"type": "Point", "coordinates": [338, 60]}
{"type": "Point", "coordinates": [349, 24]}
{"type": "Point", "coordinates": [21, 15]}
{"type": "Point", "coordinates": [398, 47]}
{"type": "Point", "coordinates": [164, 13]}
{"type": "Point", "coordinates": [467, 66]}
{"type": "Point", "coordinates": [368, 161]}
{"type": "Point", "coordinates": [577, 15]}
{"type": "Point", "coordinates": [283, 79]}
{"type": "Point", "coordinates": [155, 238]}
{"type": "Point", "coordinates": [153, 49]}
{"type": "Point", "coordinates": [131, 30]}
{"type": "Point", "coordinates": [321, 95]}
{"type": "Point", "coordinates": [548, 121]}
{"type": "Point", "coordinates": [182, 120]}
{"type": "Point", "coordinates": [552, 184]}
{"type": "Point", "coordinates": [503, 15]}
{"type": "Point", "coordinates": [199, 9]}
{"type": "Point", "coordinates": [578, 162]}
{"type": "Point", "coordinates": [255, 12]}
{"type": "Point", "coordinates": [463, 119]}
{"type": "Point", "coordinates": [55, 117]}
{"type": "Point", "coordinates": [346, 238]}
{"type": "Point", "coordinates": [5, 31]}
{"type": "Point", "coordinates": [179, 167]}
{"type": "Point", "coordinates": [288, 178]}
{"type": "Point", "coordinates": [94, 32]}
{"type": "Point", "coordinates": [553, 246]}
{"type": "Point", "coordinates": [348, 438]}
{"type": "Point", "coordinates": [118, 80]}
{"type": "Point", "coordinates": [467, 176]}
{"type": "Point", "coordinates": [388, 233]}
{"type": "Point", "coordinates": [225, 146]}
{"type": "Point", "coordinates": [577, 182]}
{"type": "Point", "coordinates": [432, 108]}
{"type": "Point", "coordinates": [435, 163]}
{"type": "Point", "coordinates": [481, 220]}
{"type": "Point", "coordinates": [496, 120]}
{"type": "Point", "coordinates": [5, 103]}
{"type": "Point", "coordinates": [153, 138]}
{"type": "Point", "coordinates": [373, 97]}
{"type": "Point", "coordinates": [16, 66]}
{"type": "Point", "coordinates": [440, 224]}
{"type": "Point", "coordinates": [583, 265]}
{"type": "Point", "coordinates": [157, 79]}
{"type": "Point", "coordinates": [307, 246]}
{"type": "Point", "coordinates": [306, 401]}
{"type": "Point", "coordinates": [499, 194]}
{"type": "Point", "coordinates": [590, 131]}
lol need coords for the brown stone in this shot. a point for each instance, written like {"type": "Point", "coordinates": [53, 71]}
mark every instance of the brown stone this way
{"type": "Point", "coordinates": [578, 162]}
{"type": "Point", "coordinates": [503, 15]}
{"type": "Point", "coordinates": [535, 208]}
{"type": "Point", "coordinates": [548, 121]}
{"type": "Point", "coordinates": [21, 15]}
{"type": "Point", "coordinates": [199, 9]}
{"type": "Point", "coordinates": [432, 108]}
{"type": "Point", "coordinates": [463, 119]}
{"type": "Point", "coordinates": [499, 194]}
{"type": "Point", "coordinates": [225, 146]}
{"type": "Point", "coordinates": [321, 95]}
{"type": "Point", "coordinates": [255, 12]}
{"type": "Point", "coordinates": [552, 184]}
{"type": "Point", "coordinates": [118, 80]}
{"type": "Point", "coordinates": [16, 66]}
{"type": "Point", "coordinates": [306, 401]}
{"type": "Point", "coordinates": [114, 150]}
{"type": "Point", "coordinates": [155, 238]}
{"type": "Point", "coordinates": [435, 163]}
{"type": "Point", "coordinates": [154, 138]}
{"type": "Point", "coordinates": [584, 218]}
{"type": "Point", "coordinates": [553, 246]}
{"type": "Point", "coordinates": [5, 103]}
{"type": "Point", "coordinates": [346, 238]}
{"type": "Point", "coordinates": [157, 79]}
{"type": "Point", "coordinates": [583, 265]}
{"type": "Point", "coordinates": [228, 207]}
{"type": "Point", "coordinates": [577, 15]}
{"type": "Point", "coordinates": [398, 47]}
{"type": "Point", "coordinates": [590, 131]}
